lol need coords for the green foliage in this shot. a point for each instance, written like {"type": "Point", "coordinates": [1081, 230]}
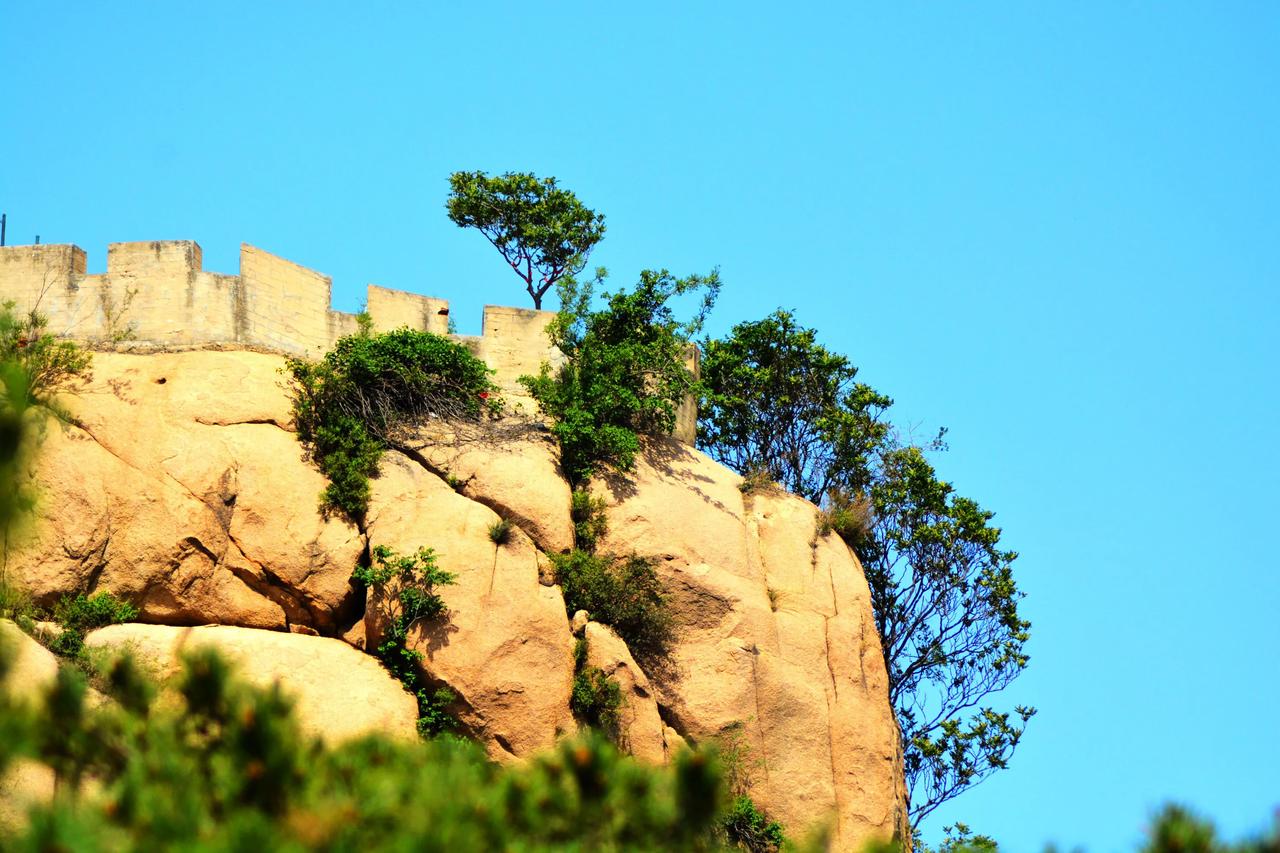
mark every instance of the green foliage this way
{"type": "Point", "coordinates": [946, 606]}
{"type": "Point", "coordinates": [80, 614]}
{"type": "Point", "coordinates": [589, 520]}
{"type": "Point", "coordinates": [370, 391]}
{"type": "Point", "coordinates": [958, 838]}
{"type": "Point", "coordinates": [434, 717]}
{"type": "Point", "coordinates": [34, 367]}
{"type": "Point", "coordinates": [596, 698]}
{"type": "Point", "coordinates": [47, 363]}
{"type": "Point", "coordinates": [625, 371]}
{"type": "Point", "coordinates": [1174, 830]}
{"type": "Point", "coordinates": [500, 532]}
{"type": "Point", "coordinates": [405, 588]}
{"type": "Point", "coordinates": [543, 232]}
{"type": "Point", "coordinates": [623, 592]}
{"type": "Point", "coordinates": [777, 403]}
{"type": "Point", "coordinates": [229, 769]}
{"type": "Point", "coordinates": [1178, 830]}
{"type": "Point", "coordinates": [16, 604]}
{"type": "Point", "coordinates": [749, 828]}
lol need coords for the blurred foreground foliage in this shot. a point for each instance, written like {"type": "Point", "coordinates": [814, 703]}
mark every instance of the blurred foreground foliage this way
{"type": "Point", "coordinates": [228, 769]}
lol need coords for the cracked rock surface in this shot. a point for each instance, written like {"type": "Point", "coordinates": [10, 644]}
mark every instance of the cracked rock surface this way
{"type": "Point", "coordinates": [185, 490]}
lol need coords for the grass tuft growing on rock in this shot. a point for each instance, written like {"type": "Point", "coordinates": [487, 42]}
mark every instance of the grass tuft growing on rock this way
{"type": "Point", "coordinates": [500, 532]}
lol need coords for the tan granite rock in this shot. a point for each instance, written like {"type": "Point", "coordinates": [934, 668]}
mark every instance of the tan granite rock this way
{"type": "Point", "coordinates": [504, 647]}
{"type": "Point", "coordinates": [32, 668]}
{"type": "Point", "coordinates": [775, 639]}
{"type": "Point", "coordinates": [339, 692]}
{"type": "Point", "coordinates": [642, 732]}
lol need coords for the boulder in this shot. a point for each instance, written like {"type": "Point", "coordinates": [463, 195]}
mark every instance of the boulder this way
{"type": "Point", "coordinates": [182, 489]}
{"type": "Point", "coordinates": [504, 647]}
{"type": "Point", "coordinates": [775, 640]}
{"type": "Point", "coordinates": [32, 668]}
{"type": "Point", "coordinates": [642, 732]}
{"type": "Point", "coordinates": [339, 693]}
{"type": "Point", "coordinates": [514, 469]}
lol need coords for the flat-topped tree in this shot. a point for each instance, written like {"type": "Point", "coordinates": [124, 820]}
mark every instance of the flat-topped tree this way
{"type": "Point", "coordinates": [542, 231]}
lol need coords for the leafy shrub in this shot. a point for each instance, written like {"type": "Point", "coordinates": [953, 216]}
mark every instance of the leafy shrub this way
{"type": "Point", "coordinates": [589, 520]}
{"type": "Point", "coordinates": [229, 769]}
{"type": "Point", "coordinates": [749, 828]}
{"type": "Point", "coordinates": [47, 362]}
{"type": "Point", "coordinates": [434, 717]}
{"type": "Point", "coordinates": [757, 479]}
{"type": "Point", "coordinates": [80, 614]}
{"type": "Point", "coordinates": [500, 532]}
{"type": "Point", "coordinates": [405, 587]}
{"type": "Point", "coordinates": [624, 372]}
{"type": "Point", "coordinates": [623, 592]}
{"type": "Point", "coordinates": [371, 390]}
{"type": "Point", "coordinates": [596, 698]}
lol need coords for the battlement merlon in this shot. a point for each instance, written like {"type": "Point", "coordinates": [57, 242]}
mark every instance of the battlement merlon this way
{"type": "Point", "coordinates": [156, 295]}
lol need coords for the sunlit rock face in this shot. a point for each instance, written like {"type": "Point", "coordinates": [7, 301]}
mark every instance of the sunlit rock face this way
{"type": "Point", "coordinates": [182, 488]}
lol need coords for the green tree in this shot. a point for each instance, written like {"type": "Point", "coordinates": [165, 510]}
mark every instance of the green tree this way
{"type": "Point", "coordinates": [625, 370]}
{"type": "Point", "coordinates": [945, 600]}
{"type": "Point", "coordinates": [777, 402]}
{"type": "Point", "coordinates": [542, 231]}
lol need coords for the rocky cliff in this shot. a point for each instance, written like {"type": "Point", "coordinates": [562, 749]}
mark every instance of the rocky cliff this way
{"type": "Point", "coordinates": [184, 489]}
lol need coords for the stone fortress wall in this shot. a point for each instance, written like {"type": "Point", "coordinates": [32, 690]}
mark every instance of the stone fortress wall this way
{"type": "Point", "coordinates": [156, 295]}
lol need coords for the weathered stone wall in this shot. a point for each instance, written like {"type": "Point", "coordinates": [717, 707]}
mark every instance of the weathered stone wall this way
{"type": "Point", "coordinates": [156, 295]}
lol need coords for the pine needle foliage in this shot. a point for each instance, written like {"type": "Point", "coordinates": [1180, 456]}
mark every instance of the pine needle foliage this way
{"type": "Point", "coordinates": [229, 769]}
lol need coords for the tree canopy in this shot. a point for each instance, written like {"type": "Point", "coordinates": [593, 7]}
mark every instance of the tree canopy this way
{"type": "Point", "coordinates": [778, 404]}
{"type": "Point", "coordinates": [544, 232]}
{"type": "Point", "coordinates": [625, 368]}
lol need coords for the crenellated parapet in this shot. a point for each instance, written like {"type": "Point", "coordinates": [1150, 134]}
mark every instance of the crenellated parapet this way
{"type": "Point", "coordinates": [157, 295]}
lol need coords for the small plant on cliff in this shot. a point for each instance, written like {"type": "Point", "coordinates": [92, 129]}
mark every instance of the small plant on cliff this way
{"type": "Point", "coordinates": [745, 826]}
{"type": "Point", "coordinates": [543, 232]}
{"type": "Point", "coordinates": [623, 592]}
{"type": "Point", "coordinates": [404, 588]}
{"type": "Point", "coordinates": [749, 828]}
{"type": "Point", "coordinates": [80, 614]}
{"type": "Point", "coordinates": [589, 520]}
{"type": "Point", "coordinates": [625, 368]}
{"type": "Point", "coordinates": [46, 363]}
{"type": "Point", "coordinates": [500, 532]}
{"type": "Point", "coordinates": [372, 391]}
{"type": "Point", "coordinates": [596, 698]}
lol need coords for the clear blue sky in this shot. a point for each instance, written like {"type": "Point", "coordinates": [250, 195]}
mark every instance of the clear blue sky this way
{"type": "Point", "coordinates": [1054, 228]}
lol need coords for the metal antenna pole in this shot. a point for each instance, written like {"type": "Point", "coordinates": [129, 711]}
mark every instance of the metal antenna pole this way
{"type": "Point", "coordinates": [4, 220]}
